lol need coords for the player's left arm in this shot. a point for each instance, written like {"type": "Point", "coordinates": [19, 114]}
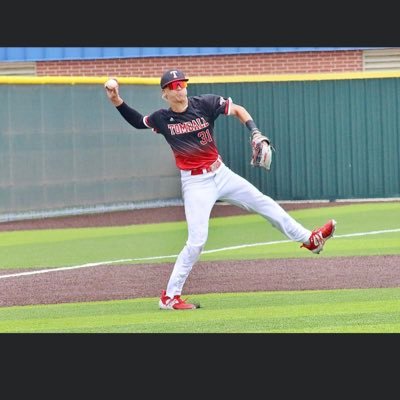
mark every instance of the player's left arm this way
{"type": "Point", "coordinates": [240, 113]}
{"type": "Point", "coordinates": [244, 117]}
{"type": "Point", "coordinates": [224, 105]}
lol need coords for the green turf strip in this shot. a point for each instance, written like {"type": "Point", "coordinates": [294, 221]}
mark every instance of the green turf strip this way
{"type": "Point", "coordinates": [339, 311]}
{"type": "Point", "coordinates": [328, 311]}
{"type": "Point", "coordinates": [67, 247]}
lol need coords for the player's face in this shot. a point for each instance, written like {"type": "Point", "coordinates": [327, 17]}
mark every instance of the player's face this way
{"type": "Point", "coordinates": [176, 91]}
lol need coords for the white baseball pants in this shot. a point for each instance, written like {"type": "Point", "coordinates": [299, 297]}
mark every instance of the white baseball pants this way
{"type": "Point", "coordinates": [200, 193]}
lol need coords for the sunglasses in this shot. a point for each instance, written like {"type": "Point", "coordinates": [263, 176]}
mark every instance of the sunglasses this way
{"type": "Point", "coordinates": [174, 85]}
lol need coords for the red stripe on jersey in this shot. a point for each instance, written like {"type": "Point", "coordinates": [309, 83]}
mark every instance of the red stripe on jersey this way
{"type": "Point", "coordinates": [145, 118]}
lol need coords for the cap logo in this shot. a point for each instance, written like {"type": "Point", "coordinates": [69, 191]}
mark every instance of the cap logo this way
{"type": "Point", "coordinates": [174, 73]}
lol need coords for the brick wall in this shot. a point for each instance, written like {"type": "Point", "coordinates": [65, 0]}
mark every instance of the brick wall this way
{"type": "Point", "coordinates": [249, 64]}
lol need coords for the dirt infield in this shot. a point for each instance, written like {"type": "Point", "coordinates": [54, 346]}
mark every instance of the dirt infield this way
{"type": "Point", "coordinates": [108, 282]}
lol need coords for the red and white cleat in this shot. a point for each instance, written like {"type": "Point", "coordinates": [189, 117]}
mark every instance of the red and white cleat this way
{"type": "Point", "coordinates": [176, 303]}
{"type": "Point", "coordinates": [319, 236]}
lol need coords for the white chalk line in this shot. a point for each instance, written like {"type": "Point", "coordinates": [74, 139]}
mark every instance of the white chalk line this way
{"type": "Point", "coordinates": [95, 264]}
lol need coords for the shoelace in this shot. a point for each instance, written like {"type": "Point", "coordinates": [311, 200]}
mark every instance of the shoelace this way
{"type": "Point", "coordinates": [318, 239]}
{"type": "Point", "coordinates": [179, 300]}
{"type": "Point", "coordinates": [175, 300]}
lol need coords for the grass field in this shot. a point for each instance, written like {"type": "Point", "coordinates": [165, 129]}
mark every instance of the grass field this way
{"type": "Point", "coordinates": [346, 311]}
{"type": "Point", "coordinates": [363, 229]}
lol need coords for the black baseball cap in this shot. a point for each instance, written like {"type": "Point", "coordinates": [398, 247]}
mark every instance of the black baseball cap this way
{"type": "Point", "coordinates": [172, 75]}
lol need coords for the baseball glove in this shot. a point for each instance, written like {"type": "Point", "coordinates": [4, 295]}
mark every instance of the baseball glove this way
{"type": "Point", "coordinates": [261, 148]}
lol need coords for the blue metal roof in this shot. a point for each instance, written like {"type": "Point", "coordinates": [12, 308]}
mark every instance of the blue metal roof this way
{"type": "Point", "coordinates": [86, 53]}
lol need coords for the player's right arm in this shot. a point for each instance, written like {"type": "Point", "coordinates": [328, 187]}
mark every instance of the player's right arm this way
{"type": "Point", "coordinates": [132, 116]}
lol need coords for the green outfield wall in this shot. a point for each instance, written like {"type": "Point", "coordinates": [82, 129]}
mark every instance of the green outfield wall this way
{"type": "Point", "coordinates": [334, 139]}
{"type": "Point", "coordinates": [64, 146]}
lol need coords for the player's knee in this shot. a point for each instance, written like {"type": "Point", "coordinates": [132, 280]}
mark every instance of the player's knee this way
{"type": "Point", "coordinates": [198, 239]}
{"type": "Point", "coordinates": [195, 249]}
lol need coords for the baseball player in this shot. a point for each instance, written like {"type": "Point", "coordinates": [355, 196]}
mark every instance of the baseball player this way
{"type": "Point", "coordinates": [188, 127]}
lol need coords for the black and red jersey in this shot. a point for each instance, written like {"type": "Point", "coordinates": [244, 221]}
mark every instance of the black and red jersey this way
{"type": "Point", "coordinates": [191, 133]}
